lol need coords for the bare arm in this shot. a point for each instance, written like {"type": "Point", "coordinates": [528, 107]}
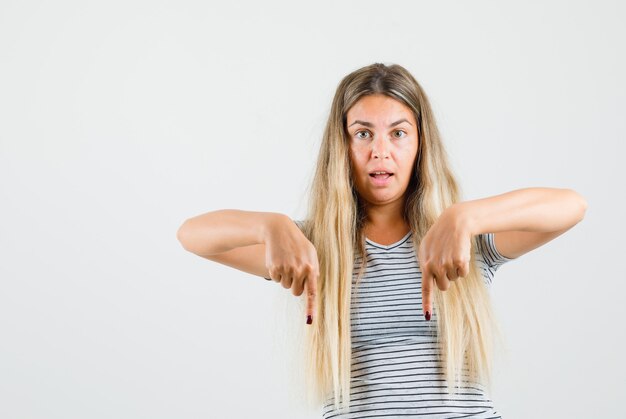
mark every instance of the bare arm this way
{"type": "Point", "coordinates": [266, 244]}
{"type": "Point", "coordinates": [524, 219]}
{"type": "Point", "coordinates": [223, 230]}
{"type": "Point", "coordinates": [234, 238]}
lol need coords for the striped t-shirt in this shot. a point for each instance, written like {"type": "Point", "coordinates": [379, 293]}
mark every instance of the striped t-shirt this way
{"type": "Point", "coordinates": [395, 370]}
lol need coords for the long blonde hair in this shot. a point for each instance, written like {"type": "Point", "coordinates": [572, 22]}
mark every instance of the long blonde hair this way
{"type": "Point", "coordinates": [334, 224]}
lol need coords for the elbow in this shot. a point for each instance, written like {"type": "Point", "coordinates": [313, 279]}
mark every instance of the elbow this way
{"type": "Point", "coordinates": [581, 205]}
{"type": "Point", "coordinates": [181, 235]}
{"type": "Point", "coordinates": [583, 210]}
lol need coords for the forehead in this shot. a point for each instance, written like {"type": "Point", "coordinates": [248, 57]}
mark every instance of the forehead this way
{"type": "Point", "coordinates": [379, 109]}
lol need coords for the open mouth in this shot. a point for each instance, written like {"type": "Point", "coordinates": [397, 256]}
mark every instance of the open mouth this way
{"type": "Point", "coordinates": [381, 176]}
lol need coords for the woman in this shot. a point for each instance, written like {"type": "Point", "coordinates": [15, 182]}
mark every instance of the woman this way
{"type": "Point", "coordinates": [386, 212]}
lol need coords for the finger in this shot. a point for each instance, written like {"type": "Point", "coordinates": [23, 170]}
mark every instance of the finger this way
{"type": "Point", "coordinates": [276, 277]}
{"type": "Point", "coordinates": [427, 281]}
{"type": "Point", "coordinates": [443, 283]}
{"type": "Point", "coordinates": [453, 273]}
{"type": "Point", "coordinates": [464, 270]}
{"type": "Point", "coordinates": [297, 287]}
{"type": "Point", "coordinates": [311, 295]}
{"type": "Point", "coordinates": [286, 281]}
{"type": "Point", "coordinates": [299, 282]}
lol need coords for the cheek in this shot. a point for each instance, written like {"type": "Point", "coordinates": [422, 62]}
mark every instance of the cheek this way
{"type": "Point", "coordinates": [354, 165]}
{"type": "Point", "coordinates": [407, 156]}
{"type": "Point", "coordinates": [357, 159]}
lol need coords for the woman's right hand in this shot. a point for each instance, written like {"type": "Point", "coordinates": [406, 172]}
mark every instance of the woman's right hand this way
{"type": "Point", "coordinates": [291, 260]}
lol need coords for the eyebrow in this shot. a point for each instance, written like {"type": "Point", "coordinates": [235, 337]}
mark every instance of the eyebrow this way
{"type": "Point", "coordinates": [369, 124]}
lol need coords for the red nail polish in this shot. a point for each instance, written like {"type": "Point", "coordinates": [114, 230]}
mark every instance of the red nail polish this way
{"type": "Point", "coordinates": [427, 315]}
{"type": "Point", "coordinates": [309, 319]}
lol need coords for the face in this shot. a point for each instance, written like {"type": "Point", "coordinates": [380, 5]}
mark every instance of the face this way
{"type": "Point", "coordinates": [383, 136]}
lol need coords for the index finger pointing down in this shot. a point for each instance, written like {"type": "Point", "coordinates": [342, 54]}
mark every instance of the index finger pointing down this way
{"type": "Point", "coordinates": [311, 294]}
{"type": "Point", "coordinates": [427, 283]}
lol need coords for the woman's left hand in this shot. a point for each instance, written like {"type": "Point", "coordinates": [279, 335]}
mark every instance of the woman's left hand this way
{"type": "Point", "coordinates": [444, 254]}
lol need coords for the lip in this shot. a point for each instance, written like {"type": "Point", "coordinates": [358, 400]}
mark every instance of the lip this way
{"type": "Point", "coordinates": [381, 182]}
{"type": "Point", "coordinates": [380, 169]}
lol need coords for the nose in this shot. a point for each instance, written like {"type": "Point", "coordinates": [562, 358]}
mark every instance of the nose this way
{"type": "Point", "coordinates": [380, 147]}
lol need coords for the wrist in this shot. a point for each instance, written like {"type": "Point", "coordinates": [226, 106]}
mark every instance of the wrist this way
{"type": "Point", "coordinates": [270, 221]}
{"type": "Point", "coordinates": [464, 218]}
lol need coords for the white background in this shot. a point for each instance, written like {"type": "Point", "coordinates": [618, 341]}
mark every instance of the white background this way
{"type": "Point", "coordinates": [119, 120]}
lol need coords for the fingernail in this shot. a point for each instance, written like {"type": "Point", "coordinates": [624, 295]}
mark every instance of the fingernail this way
{"type": "Point", "coordinates": [427, 315]}
{"type": "Point", "coordinates": [309, 319]}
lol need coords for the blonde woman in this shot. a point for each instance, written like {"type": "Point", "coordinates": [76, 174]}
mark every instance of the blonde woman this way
{"type": "Point", "coordinates": [393, 268]}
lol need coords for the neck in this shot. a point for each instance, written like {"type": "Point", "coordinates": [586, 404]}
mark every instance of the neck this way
{"type": "Point", "coordinates": [386, 217]}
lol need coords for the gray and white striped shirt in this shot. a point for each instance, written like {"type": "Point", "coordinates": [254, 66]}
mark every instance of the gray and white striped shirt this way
{"type": "Point", "coordinates": [395, 370]}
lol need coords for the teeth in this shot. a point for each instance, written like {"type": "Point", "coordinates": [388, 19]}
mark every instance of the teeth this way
{"type": "Point", "coordinates": [379, 173]}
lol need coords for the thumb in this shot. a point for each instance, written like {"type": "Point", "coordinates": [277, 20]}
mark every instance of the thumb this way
{"type": "Point", "coordinates": [311, 296]}
{"type": "Point", "coordinates": [427, 283]}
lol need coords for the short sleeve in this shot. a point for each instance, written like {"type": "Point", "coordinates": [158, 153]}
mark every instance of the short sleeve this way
{"type": "Point", "coordinates": [300, 224]}
{"type": "Point", "coordinates": [491, 256]}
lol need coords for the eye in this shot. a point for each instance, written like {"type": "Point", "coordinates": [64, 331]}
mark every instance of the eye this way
{"type": "Point", "coordinates": [399, 130]}
{"type": "Point", "coordinates": [361, 132]}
